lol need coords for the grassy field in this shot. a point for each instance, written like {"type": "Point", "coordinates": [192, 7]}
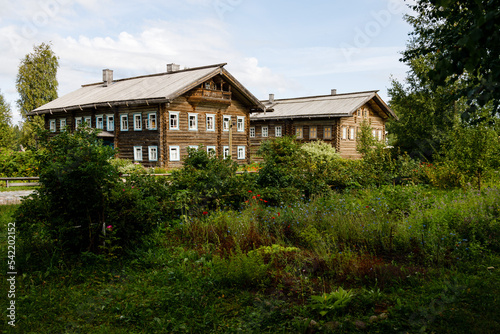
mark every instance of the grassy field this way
{"type": "Point", "coordinates": [388, 260]}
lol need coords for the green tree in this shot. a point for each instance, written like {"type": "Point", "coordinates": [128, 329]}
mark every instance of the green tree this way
{"type": "Point", "coordinates": [7, 136]}
{"type": "Point", "coordinates": [473, 151]}
{"type": "Point", "coordinates": [426, 114]}
{"type": "Point", "coordinates": [37, 85]}
{"type": "Point", "coordinates": [464, 38]}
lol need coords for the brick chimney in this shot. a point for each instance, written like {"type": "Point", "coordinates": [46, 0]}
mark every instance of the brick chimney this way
{"type": "Point", "coordinates": [107, 77]}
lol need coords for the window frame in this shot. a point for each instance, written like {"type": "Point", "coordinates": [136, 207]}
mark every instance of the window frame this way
{"type": "Point", "coordinates": [110, 126]}
{"type": "Point", "coordinates": [327, 132]}
{"type": "Point", "coordinates": [299, 132]}
{"type": "Point", "coordinates": [344, 133]}
{"type": "Point", "coordinates": [52, 125]}
{"type": "Point", "coordinates": [224, 118]}
{"type": "Point", "coordinates": [101, 125]}
{"type": "Point", "coordinates": [224, 155]}
{"type": "Point", "coordinates": [239, 148]}
{"type": "Point", "coordinates": [211, 147]}
{"type": "Point", "coordinates": [210, 116]}
{"type": "Point", "coordinates": [123, 117]}
{"type": "Point", "coordinates": [278, 131]}
{"type": "Point", "coordinates": [195, 117]}
{"type": "Point", "coordinates": [62, 124]}
{"type": "Point", "coordinates": [352, 133]}
{"type": "Point", "coordinates": [78, 122]}
{"type": "Point", "coordinates": [153, 153]}
{"type": "Point", "coordinates": [178, 150]}
{"type": "Point", "coordinates": [88, 120]}
{"type": "Point", "coordinates": [252, 132]}
{"type": "Point", "coordinates": [138, 157]}
{"type": "Point", "coordinates": [240, 120]}
{"type": "Point", "coordinates": [150, 116]}
{"type": "Point", "coordinates": [266, 132]}
{"type": "Point", "coordinates": [137, 120]}
{"type": "Point", "coordinates": [313, 132]}
{"type": "Point", "coordinates": [177, 120]}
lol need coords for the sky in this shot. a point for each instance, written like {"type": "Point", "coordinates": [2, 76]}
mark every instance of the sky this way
{"type": "Point", "coordinates": [287, 48]}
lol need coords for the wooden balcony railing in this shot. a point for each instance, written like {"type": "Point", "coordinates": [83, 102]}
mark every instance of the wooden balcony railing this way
{"type": "Point", "coordinates": [209, 95]}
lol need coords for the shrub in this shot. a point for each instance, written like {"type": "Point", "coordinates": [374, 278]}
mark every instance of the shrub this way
{"type": "Point", "coordinates": [15, 164]}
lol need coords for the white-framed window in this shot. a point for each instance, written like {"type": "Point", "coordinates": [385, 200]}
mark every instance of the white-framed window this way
{"type": "Point", "coordinates": [252, 132]}
{"type": "Point", "coordinates": [241, 152]}
{"type": "Point", "coordinates": [78, 122]}
{"type": "Point", "coordinates": [277, 131]}
{"type": "Point", "coordinates": [313, 132]}
{"type": "Point", "coordinates": [137, 122]}
{"type": "Point", "coordinates": [152, 121]}
{"type": "Point", "coordinates": [137, 153]}
{"type": "Point", "coordinates": [193, 122]}
{"type": "Point", "coordinates": [344, 133]}
{"type": "Point", "coordinates": [88, 120]}
{"type": "Point", "coordinates": [299, 133]}
{"type": "Point", "coordinates": [352, 130]}
{"type": "Point", "coordinates": [175, 154]}
{"type": "Point", "coordinates": [124, 122]}
{"type": "Point", "coordinates": [210, 122]}
{"type": "Point", "coordinates": [226, 123]}
{"type": "Point", "coordinates": [52, 125]}
{"type": "Point", "coordinates": [327, 132]}
{"type": "Point", "coordinates": [62, 124]}
{"type": "Point", "coordinates": [240, 124]}
{"type": "Point", "coordinates": [99, 122]}
{"type": "Point", "coordinates": [380, 135]}
{"type": "Point", "coordinates": [374, 134]}
{"type": "Point", "coordinates": [265, 131]}
{"type": "Point", "coordinates": [212, 151]}
{"type": "Point", "coordinates": [173, 122]}
{"type": "Point", "coordinates": [153, 153]}
{"type": "Point", "coordinates": [225, 150]}
{"type": "Point", "coordinates": [110, 122]}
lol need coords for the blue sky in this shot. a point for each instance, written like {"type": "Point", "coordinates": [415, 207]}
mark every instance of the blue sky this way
{"type": "Point", "coordinates": [289, 48]}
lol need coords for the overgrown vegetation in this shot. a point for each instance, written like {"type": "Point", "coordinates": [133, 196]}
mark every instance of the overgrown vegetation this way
{"type": "Point", "coordinates": [354, 248]}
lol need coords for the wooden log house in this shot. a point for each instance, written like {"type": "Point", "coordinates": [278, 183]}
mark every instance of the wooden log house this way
{"type": "Point", "coordinates": [334, 118]}
{"type": "Point", "coordinates": [153, 119]}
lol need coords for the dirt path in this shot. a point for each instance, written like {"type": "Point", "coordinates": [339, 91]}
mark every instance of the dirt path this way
{"type": "Point", "coordinates": [13, 197]}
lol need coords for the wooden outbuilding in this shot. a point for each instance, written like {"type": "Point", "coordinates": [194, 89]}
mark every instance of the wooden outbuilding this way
{"type": "Point", "coordinates": [153, 119]}
{"type": "Point", "coordinates": [334, 118]}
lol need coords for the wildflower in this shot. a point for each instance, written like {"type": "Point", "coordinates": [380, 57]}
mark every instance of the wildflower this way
{"type": "Point", "coordinates": [109, 227]}
{"type": "Point", "coordinates": [253, 197]}
{"type": "Point", "coordinates": [249, 191]}
{"type": "Point", "coordinates": [205, 212]}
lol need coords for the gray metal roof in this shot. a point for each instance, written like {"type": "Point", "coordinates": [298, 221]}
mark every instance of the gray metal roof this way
{"type": "Point", "coordinates": [155, 88]}
{"type": "Point", "coordinates": [320, 106]}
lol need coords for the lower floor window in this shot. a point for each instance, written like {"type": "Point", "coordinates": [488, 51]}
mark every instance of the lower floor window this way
{"type": "Point", "coordinates": [211, 151]}
{"type": "Point", "coordinates": [175, 153]}
{"type": "Point", "coordinates": [153, 153]}
{"type": "Point", "coordinates": [226, 152]}
{"type": "Point", "coordinates": [137, 153]}
{"type": "Point", "coordinates": [241, 152]}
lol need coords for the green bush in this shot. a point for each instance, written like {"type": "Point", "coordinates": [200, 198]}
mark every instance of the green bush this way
{"type": "Point", "coordinates": [16, 164]}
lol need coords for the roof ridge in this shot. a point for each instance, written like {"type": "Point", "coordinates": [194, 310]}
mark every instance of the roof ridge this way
{"type": "Point", "coordinates": [322, 96]}
{"type": "Point", "coordinates": [220, 65]}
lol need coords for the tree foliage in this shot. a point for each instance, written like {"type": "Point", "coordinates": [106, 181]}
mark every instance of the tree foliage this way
{"type": "Point", "coordinates": [36, 84]}
{"type": "Point", "coordinates": [6, 130]}
{"type": "Point", "coordinates": [464, 38]}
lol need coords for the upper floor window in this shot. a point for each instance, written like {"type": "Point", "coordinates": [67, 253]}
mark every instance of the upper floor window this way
{"type": "Point", "coordinates": [226, 123]}
{"type": "Point", "coordinates": [110, 123]}
{"type": "Point", "coordinates": [99, 122]}
{"type": "Point", "coordinates": [137, 122]}
{"type": "Point", "coordinates": [193, 122]}
{"type": "Point", "coordinates": [124, 122]}
{"type": "Point", "coordinates": [152, 121]}
{"type": "Point", "coordinates": [252, 132]}
{"type": "Point", "coordinates": [210, 122]}
{"type": "Point", "coordinates": [240, 124]}
{"type": "Point", "coordinates": [174, 120]}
